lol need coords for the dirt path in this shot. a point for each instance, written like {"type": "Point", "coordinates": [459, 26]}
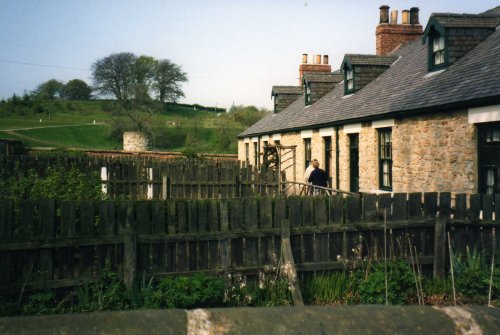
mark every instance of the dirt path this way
{"type": "Point", "coordinates": [57, 126]}
{"type": "Point", "coordinates": [12, 132]}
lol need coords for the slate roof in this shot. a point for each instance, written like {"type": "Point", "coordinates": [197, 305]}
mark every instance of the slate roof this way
{"type": "Point", "coordinates": [323, 77]}
{"type": "Point", "coordinates": [355, 59]}
{"type": "Point", "coordinates": [495, 10]}
{"type": "Point", "coordinates": [286, 90]}
{"type": "Point", "coordinates": [405, 88]}
{"type": "Point", "coordinates": [449, 20]}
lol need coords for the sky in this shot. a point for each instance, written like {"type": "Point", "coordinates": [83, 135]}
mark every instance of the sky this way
{"type": "Point", "coordinates": [233, 51]}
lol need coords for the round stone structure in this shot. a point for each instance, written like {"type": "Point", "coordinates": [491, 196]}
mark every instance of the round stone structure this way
{"type": "Point", "coordinates": [136, 141]}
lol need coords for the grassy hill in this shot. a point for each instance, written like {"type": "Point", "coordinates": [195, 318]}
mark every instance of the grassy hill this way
{"type": "Point", "coordinates": [91, 125]}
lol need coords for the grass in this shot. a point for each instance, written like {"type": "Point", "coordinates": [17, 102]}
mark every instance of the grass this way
{"type": "Point", "coordinates": [88, 136]}
{"type": "Point", "coordinates": [70, 124]}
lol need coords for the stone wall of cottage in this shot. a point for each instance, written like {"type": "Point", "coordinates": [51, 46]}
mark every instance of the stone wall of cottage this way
{"type": "Point", "coordinates": [435, 152]}
{"type": "Point", "coordinates": [432, 152]}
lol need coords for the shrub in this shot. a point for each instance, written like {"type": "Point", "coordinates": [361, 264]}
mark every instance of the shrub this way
{"type": "Point", "coordinates": [371, 283]}
{"type": "Point", "coordinates": [334, 288]}
{"type": "Point", "coordinates": [196, 291]}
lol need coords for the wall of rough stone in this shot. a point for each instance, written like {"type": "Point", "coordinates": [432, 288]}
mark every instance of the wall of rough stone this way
{"type": "Point", "coordinates": [136, 141]}
{"type": "Point", "coordinates": [435, 152]}
{"type": "Point", "coordinates": [432, 152]}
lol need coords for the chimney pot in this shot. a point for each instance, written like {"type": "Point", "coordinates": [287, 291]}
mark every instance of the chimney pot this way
{"type": "Point", "coordinates": [304, 58]}
{"type": "Point", "coordinates": [405, 16]}
{"type": "Point", "coordinates": [318, 59]}
{"type": "Point", "coordinates": [325, 59]}
{"type": "Point", "coordinates": [414, 15]}
{"type": "Point", "coordinates": [394, 16]}
{"type": "Point", "coordinates": [384, 14]}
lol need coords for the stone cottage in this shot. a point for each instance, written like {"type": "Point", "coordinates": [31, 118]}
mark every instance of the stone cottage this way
{"type": "Point", "coordinates": [421, 115]}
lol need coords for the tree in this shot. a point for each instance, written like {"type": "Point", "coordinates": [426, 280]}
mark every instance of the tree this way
{"type": "Point", "coordinates": [77, 89]}
{"type": "Point", "coordinates": [144, 70]}
{"type": "Point", "coordinates": [114, 75]}
{"type": "Point", "coordinates": [247, 115]}
{"type": "Point", "coordinates": [167, 79]}
{"type": "Point", "coordinates": [49, 90]}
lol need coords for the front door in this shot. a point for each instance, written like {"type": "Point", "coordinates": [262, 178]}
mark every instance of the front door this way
{"type": "Point", "coordinates": [328, 158]}
{"type": "Point", "coordinates": [489, 158]}
{"type": "Point", "coordinates": [354, 162]}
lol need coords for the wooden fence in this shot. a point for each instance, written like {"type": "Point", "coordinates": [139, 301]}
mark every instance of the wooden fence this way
{"type": "Point", "coordinates": [49, 244]}
{"type": "Point", "coordinates": [136, 179]}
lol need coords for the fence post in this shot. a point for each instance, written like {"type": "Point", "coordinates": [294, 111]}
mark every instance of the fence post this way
{"type": "Point", "coordinates": [439, 248]}
{"type": "Point", "coordinates": [288, 265]}
{"type": "Point", "coordinates": [129, 256]}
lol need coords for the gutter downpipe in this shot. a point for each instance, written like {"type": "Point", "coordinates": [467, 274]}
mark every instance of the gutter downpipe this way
{"type": "Point", "coordinates": [337, 153]}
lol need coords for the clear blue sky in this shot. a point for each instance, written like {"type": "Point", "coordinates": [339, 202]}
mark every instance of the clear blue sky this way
{"type": "Point", "coordinates": [232, 50]}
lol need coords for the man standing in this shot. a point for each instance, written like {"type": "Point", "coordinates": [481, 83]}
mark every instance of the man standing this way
{"type": "Point", "coordinates": [318, 177]}
{"type": "Point", "coordinates": [307, 173]}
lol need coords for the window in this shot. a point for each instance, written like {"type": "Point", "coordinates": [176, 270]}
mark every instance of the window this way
{"type": "Point", "coordinates": [385, 158]}
{"type": "Point", "coordinates": [354, 162]}
{"type": "Point", "coordinates": [489, 158]}
{"type": "Point", "coordinates": [276, 142]}
{"type": "Point", "coordinates": [308, 95]}
{"type": "Point", "coordinates": [307, 151]}
{"type": "Point", "coordinates": [247, 153]}
{"type": "Point", "coordinates": [256, 154]}
{"type": "Point", "coordinates": [349, 79]}
{"type": "Point", "coordinates": [438, 50]}
{"type": "Point", "coordinates": [328, 156]}
{"type": "Point", "coordinates": [265, 144]}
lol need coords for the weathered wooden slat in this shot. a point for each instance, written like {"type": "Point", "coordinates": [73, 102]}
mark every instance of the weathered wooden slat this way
{"type": "Point", "coordinates": [251, 252]}
{"type": "Point", "coordinates": [266, 212]}
{"type": "Point", "coordinates": [236, 213]}
{"type": "Point", "coordinates": [497, 209]}
{"type": "Point", "coordinates": [143, 217]}
{"type": "Point", "coordinates": [369, 203]}
{"type": "Point", "coordinates": [158, 218]}
{"type": "Point", "coordinates": [336, 209]}
{"type": "Point", "coordinates": [279, 211]}
{"type": "Point", "coordinates": [6, 220]}
{"type": "Point", "coordinates": [68, 229]}
{"type": "Point", "coordinates": [213, 215]}
{"type": "Point", "coordinates": [445, 205]}
{"type": "Point", "coordinates": [107, 221]}
{"type": "Point", "coordinates": [192, 211]}
{"type": "Point", "coordinates": [353, 209]}
{"type": "Point", "coordinates": [171, 207]}
{"type": "Point", "coordinates": [193, 256]}
{"type": "Point", "coordinates": [461, 206]}
{"type": "Point", "coordinates": [320, 211]}
{"type": "Point", "coordinates": [26, 220]}
{"type": "Point", "coordinates": [400, 206]}
{"type": "Point", "coordinates": [321, 250]}
{"type": "Point", "coordinates": [488, 206]}
{"type": "Point", "coordinates": [307, 211]}
{"type": "Point", "coordinates": [475, 207]}
{"type": "Point", "coordinates": [384, 204]}
{"type": "Point", "coordinates": [251, 214]}
{"type": "Point", "coordinates": [182, 256]}
{"type": "Point", "coordinates": [236, 254]}
{"type": "Point", "coordinates": [202, 215]}
{"type": "Point", "coordinates": [6, 225]}
{"type": "Point", "coordinates": [181, 217]}
{"type": "Point", "coordinates": [47, 210]}
{"type": "Point", "coordinates": [295, 211]}
{"type": "Point", "coordinates": [415, 205]}
{"type": "Point", "coordinates": [430, 205]}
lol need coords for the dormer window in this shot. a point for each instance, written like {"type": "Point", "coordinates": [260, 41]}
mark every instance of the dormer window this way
{"type": "Point", "coordinates": [438, 50]}
{"type": "Point", "coordinates": [349, 78]}
{"type": "Point", "coordinates": [308, 95]}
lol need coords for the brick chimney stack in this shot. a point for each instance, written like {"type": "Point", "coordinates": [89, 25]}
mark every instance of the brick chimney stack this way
{"type": "Point", "coordinates": [316, 65]}
{"type": "Point", "coordinates": [391, 35]}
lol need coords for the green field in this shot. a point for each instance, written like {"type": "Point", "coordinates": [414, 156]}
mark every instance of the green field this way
{"type": "Point", "coordinates": [71, 124]}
